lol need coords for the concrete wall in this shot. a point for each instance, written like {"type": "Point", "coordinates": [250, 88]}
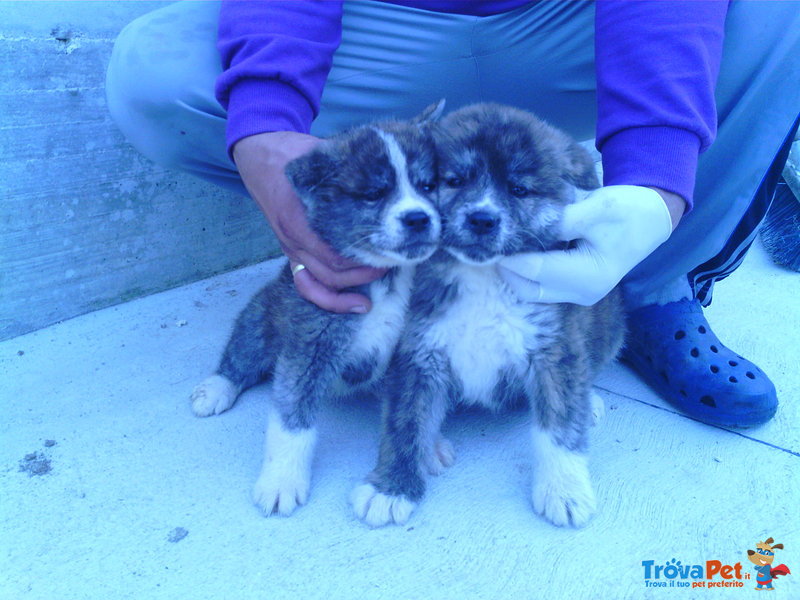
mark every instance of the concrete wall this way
{"type": "Point", "coordinates": [85, 221]}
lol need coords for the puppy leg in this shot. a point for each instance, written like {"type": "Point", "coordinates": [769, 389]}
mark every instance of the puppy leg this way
{"type": "Point", "coordinates": [249, 359]}
{"type": "Point", "coordinates": [285, 476]}
{"type": "Point", "coordinates": [562, 490]}
{"type": "Point", "coordinates": [414, 408]}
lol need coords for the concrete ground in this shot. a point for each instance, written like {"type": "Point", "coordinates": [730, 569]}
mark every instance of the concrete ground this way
{"type": "Point", "coordinates": [111, 488]}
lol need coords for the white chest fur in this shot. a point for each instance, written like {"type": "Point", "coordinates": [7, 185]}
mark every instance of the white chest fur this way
{"type": "Point", "coordinates": [381, 327]}
{"type": "Point", "coordinates": [486, 332]}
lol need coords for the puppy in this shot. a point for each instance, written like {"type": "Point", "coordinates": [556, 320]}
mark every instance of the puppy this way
{"type": "Point", "coordinates": [505, 177]}
{"type": "Point", "coordinates": [367, 193]}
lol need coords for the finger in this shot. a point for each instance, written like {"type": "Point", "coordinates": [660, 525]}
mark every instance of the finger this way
{"type": "Point", "coordinates": [313, 291]}
{"type": "Point", "coordinates": [554, 265]}
{"type": "Point", "coordinates": [336, 280]}
{"type": "Point", "coordinates": [556, 296]}
{"type": "Point", "coordinates": [578, 218]}
{"type": "Point", "coordinates": [527, 264]}
{"type": "Point", "coordinates": [579, 276]}
{"type": "Point", "coordinates": [523, 288]}
{"type": "Point", "coordinates": [308, 243]}
{"type": "Point", "coordinates": [533, 291]}
{"type": "Point", "coordinates": [328, 256]}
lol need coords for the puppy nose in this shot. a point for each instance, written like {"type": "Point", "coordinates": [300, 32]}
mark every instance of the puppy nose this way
{"type": "Point", "coordinates": [482, 222]}
{"type": "Point", "coordinates": [416, 220]}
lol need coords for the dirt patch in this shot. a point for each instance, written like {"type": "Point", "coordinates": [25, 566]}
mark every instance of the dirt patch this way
{"type": "Point", "coordinates": [177, 534]}
{"type": "Point", "coordinates": [35, 464]}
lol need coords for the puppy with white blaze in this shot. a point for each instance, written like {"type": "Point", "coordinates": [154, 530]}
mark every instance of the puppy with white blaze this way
{"type": "Point", "coordinates": [367, 193]}
{"type": "Point", "coordinates": [505, 177]}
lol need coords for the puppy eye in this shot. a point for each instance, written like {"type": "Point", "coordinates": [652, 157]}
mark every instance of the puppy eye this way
{"type": "Point", "coordinates": [518, 191]}
{"type": "Point", "coordinates": [373, 195]}
{"type": "Point", "coordinates": [428, 187]}
{"type": "Point", "coordinates": [454, 182]}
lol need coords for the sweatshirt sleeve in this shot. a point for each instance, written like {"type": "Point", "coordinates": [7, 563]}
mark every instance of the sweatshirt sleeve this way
{"type": "Point", "coordinates": [276, 57]}
{"type": "Point", "coordinates": [657, 64]}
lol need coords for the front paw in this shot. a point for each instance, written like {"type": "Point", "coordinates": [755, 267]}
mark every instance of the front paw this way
{"type": "Point", "coordinates": [377, 509]}
{"type": "Point", "coordinates": [565, 497]}
{"type": "Point", "coordinates": [280, 490]}
{"type": "Point", "coordinates": [214, 395]}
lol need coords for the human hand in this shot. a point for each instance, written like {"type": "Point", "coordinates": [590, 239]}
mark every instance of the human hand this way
{"type": "Point", "coordinates": [261, 160]}
{"type": "Point", "coordinates": [614, 228]}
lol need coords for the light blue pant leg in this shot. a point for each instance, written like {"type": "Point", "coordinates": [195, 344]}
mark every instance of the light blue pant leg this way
{"type": "Point", "coordinates": [758, 101]}
{"type": "Point", "coordinates": [162, 72]}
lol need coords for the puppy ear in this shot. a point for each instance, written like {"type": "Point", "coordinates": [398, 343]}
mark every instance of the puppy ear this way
{"type": "Point", "coordinates": [430, 114]}
{"type": "Point", "coordinates": [768, 541]}
{"type": "Point", "coordinates": [780, 546]}
{"type": "Point", "coordinates": [580, 170]}
{"type": "Point", "coordinates": [308, 171]}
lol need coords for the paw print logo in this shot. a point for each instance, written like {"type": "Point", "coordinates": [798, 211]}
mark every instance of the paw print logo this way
{"type": "Point", "coordinates": [672, 569]}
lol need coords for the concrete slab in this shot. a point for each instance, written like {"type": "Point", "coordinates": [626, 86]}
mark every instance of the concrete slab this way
{"type": "Point", "coordinates": [109, 487]}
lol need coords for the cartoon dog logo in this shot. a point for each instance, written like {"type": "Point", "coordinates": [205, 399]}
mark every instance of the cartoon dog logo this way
{"type": "Point", "coordinates": [762, 558]}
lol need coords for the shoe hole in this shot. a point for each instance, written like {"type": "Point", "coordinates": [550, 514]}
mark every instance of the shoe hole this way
{"type": "Point", "coordinates": [714, 349]}
{"type": "Point", "coordinates": [750, 375]}
{"type": "Point", "coordinates": [733, 363]}
{"type": "Point", "coordinates": [733, 379]}
{"type": "Point", "coordinates": [701, 329]}
{"type": "Point", "coordinates": [683, 393]}
{"type": "Point", "coordinates": [679, 335]}
{"type": "Point", "coordinates": [708, 401]}
{"type": "Point", "coordinates": [664, 375]}
{"type": "Point", "coordinates": [695, 352]}
{"type": "Point", "coordinates": [649, 359]}
{"type": "Point", "coordinates": [714, 369]}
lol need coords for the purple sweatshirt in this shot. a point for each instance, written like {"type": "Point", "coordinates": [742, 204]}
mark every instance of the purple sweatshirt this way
{"type": "Point", "coordinates": [657, 63]}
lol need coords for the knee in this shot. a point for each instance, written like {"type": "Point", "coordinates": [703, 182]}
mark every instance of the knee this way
{"type": "Point", "coordinates": [149, 83]}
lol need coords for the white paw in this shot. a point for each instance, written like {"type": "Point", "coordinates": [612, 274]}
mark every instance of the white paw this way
{"type": "Point", "coordinates": [562, 489]}
{"type": "Point", "coordinates": [286, 473]}
{"type": "Point", "coordinates": [377, 509]}
{"type": "Point", "coordinates": [598, 407]}
{"type": "Point", "coordinates": [214, 395]}
{"type": "Point", "coordinates": [440, 457]}
{"type": "Point", "coordinates": [280, 491]}
{"type": "Point", "coordinates": [565, 498]}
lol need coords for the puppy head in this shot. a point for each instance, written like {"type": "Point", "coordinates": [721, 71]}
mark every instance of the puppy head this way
{"type": "Point", "coordinates": [368, 192]}
{"type": "Point", "coordinates": [505, 177]}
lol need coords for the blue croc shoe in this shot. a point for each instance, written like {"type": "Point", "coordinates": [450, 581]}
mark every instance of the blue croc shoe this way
{"type": "Point", "coordinates": [673, 349]}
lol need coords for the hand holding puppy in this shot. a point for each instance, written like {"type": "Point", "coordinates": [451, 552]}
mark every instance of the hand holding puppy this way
{"type": "Point", "coordinates": [614, 229]}
{"type": "Point", "coordinates": [261, 160]}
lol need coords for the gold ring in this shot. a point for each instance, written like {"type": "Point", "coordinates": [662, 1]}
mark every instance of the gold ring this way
{"type": "Point", "coordinates": [297, 268]}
